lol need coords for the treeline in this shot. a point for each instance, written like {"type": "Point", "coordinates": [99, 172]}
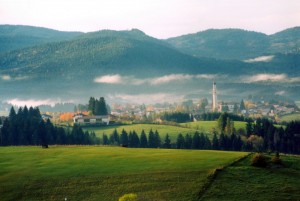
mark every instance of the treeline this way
{"type": "Point", "coordinates": [188, 141]}
{"type": "Point", "coordinates": [132, 139]}
{"type": "Point", "coordinates": [266, 137]}
{"type": "Point", "coordinates": [26, 127]}
{"type": "Point", "coordinates": [178, 117]}
{"type": "Point", "coordinates": [212, 116]}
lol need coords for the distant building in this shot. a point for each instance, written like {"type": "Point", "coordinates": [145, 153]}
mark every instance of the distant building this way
{"type": "Point", "coordinates": [214, 98]}
{"type": "Point", "coordinates": [45, 117]}
{"type": "Point", "coordinates": [82, 119]}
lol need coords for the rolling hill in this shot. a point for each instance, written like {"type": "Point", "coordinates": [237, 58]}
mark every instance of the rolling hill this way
{"type": "Point", "coordinates": [236, 43]}
{"type": "Point", "coordinates": [122, 64]}
{"type": "Point", "coordinates": [14, 37]}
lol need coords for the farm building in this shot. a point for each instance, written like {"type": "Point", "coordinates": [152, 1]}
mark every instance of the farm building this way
{"type": "Point", "coordinates": [82, 119]}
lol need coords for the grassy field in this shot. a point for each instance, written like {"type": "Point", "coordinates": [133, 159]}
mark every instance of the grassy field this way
{"type": "Point", "coordinates": [173, 131]}
{"type": "Point", "coordinates": [290, 117]}
{"type": "Point", "coordinates": [105, 173]}
{"type": "Point", "coordinates": [163, 130]}
{"type": "Point", "coordinates": [244, 182]}
{"type": "Point", "coordinates": [208, 126]}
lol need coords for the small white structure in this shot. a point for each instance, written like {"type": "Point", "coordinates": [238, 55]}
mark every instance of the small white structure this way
{"type": "Point", "coordinates": [214, 101]}
{"type": "Point", "coordinates": [91, 120]}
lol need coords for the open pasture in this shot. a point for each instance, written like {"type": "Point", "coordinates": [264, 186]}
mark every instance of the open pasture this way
{"type": "Point", "coordinates": [105, 173]}
{"type": "Point", "coordinates": [163, 130]}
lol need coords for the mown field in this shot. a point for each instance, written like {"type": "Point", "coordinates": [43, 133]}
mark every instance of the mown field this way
{"type": "Point", "coordinates": [173, 131]}
{"type": "Point", "coordinates": [163, 130]}
{"type": "Point", "coordinates": [290, 117]}
{"type": "Point", "coordinates": [245, 182]}
{"type": "Point", "coordinates": [208, 126]}
{"type": "Point", "coordinates": [105, 173]}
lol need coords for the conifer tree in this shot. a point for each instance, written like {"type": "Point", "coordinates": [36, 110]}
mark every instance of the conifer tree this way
{"type": "Point", "coordinates": [167, 142]}
{"type": "Point", "coordinates": [144, 141]}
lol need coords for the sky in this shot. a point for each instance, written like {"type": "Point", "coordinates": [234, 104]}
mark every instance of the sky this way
{"type": "Point", "coordinates": [158, 18]}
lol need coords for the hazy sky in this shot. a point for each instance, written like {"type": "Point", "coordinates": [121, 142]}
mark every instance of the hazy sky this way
{"type": "Point", "coordinates": [158, 18]}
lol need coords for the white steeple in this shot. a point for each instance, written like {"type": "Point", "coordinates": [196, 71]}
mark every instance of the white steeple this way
{"type": "Point", "coordinates": [214, 101]}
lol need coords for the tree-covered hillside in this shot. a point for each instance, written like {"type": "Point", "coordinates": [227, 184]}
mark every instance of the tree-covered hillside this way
{"type": "Point", "coordinates": [236, 43]}
{"type": "Point", "coordinates": [132, 62]}
{"type": "Point", "coordinates": [14, 37]}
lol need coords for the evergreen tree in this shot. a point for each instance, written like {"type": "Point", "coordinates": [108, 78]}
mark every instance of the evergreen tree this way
{"type": "Point", "coordinates": [167, 142]}
{"type": "Point", "coordinates": [222, 142]}
{"type": "Point", "coordinates": [102, 107]}
{"type": "Point", "coordinates": [133, 139]}
{"type": "Point", "coordinates": [249, 128]}
{"type": "Point", "coordinates": [5, 132]}
{"type": "Point", "coordinates": [144, 141]}
{"type": "Point", "coordinates": [202, 141]}
{"type": "Point", "coordinates": [196, 141]}
{"type": "Point", "coordinates": [105, 140]}
{"type": "Point", "coordinates": [215, 142]}
{"type": "Point", "coordinates": [207, 144]}
{"type": "Point", "coordinates": [91, 105]}
{"type": "Point", "coordinates": [221, 123]}
{"type": "Point", "coordinates": [180, 142]}
{"type": "Point", "coordinates": [157, 140]}
{"type": "Point", "coordinates": [235, 109]}
{"type": "Point", "coordinates": [188, 141]}
{"type": "Point", "coordinates": [41, 133]}
{"type": "Point", "coordinates": [242, 105]}
{"type": "Point", "coordinates": [151, 139]}
{"type": "Point", "coordinates": [115, 138]}
{"type": "Point", "coordinates": [124, 138]}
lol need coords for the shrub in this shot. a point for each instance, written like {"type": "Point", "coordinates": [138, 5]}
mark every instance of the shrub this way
{"type": "Point", "coordinates": [128, 197]}
{"type": "Point", "coordinates": [259, 160]}
{"type": "Point", "coordinates": [276, 159]}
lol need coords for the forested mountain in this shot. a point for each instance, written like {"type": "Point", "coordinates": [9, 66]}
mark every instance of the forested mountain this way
{"type": "Point", "coordinates": [107, 62]}
{"type": "Point", "coordinates": [14, 37]}
{"type": "Point", "coordinates": [236, 43]}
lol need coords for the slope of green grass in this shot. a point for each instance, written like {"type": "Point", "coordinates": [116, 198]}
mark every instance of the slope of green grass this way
{"type": "Point", "coordinates": [208, 126]}
{"type": "Point", "coordinates": [290, 117]}
{"type": "Point", "coordinates": [163, 130]}
{"type": "Point", "coordinates": [173, 131]}
{"type": "Point", "coordinates": [244, 182]}
{"type": "Point", "coordinates": [105, 173]}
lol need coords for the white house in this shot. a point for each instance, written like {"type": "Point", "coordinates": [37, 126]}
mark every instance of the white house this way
{"type": "Point", "coordinates": [91, 120]}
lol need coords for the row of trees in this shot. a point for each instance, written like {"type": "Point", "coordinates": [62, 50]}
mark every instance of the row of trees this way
{"type": "Point", "coordinates": [153, 140]}
{"type": "Point", "coordinates": [132, 139]}
{"type": "Point", "coordinates": [177, 117]}
{"type": "Point", "coordinates": [26, 127]}
{"type": "Point", "coordinates": [274, 138]}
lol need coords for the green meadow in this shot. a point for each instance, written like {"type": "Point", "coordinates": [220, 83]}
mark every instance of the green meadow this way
{"type": "Point", "coordinates": [208, 126]}
{"type": "Point", "coordinates": [173, 131]}
{"type": "Point", "coordinates": [163, 130]}
{"type": "Point", "coordinates": [242, 181]}
{"type": "Point", "coordinates": [106, 173]}
{"type": "Point", "coordinates": [290, 117]}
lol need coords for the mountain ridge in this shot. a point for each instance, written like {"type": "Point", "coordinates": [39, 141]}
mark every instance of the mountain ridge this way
{"type": "Point", "coordinates": [131, 62]}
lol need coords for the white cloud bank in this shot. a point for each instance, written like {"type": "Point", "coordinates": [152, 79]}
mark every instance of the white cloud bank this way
{"type": "Point", "coordinates": [33, 102]}
{"type": "Point", "coordinates": [5, 77]}
{"type": "Point", "coordinates": [260, 59]}
{"type": "Point", "coordinates": [109, 79]}
{"type": "Point", "coordinates": [280, 78]}
{"type": "Point", "coordinates": [10, 78]}
{"type": "Point", "coordinates": [147, 98]}
{"type": "Point", "coordinates": [118, 79]}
